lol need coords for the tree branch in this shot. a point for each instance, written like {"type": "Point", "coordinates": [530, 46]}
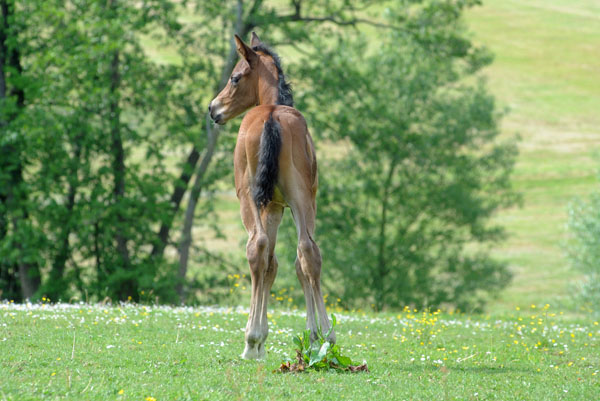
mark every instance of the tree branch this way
{"type": "Point", "coordinates": [298, 17]}
{"type": "Point", "coordinates": [329, 18]}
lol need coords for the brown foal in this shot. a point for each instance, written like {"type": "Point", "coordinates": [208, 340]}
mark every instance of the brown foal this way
{"type": "Point", "coordinates": [275, 167]}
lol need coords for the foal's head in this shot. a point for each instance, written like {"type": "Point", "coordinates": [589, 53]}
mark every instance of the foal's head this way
{"type": "Point", "coordinates": [256, 79]}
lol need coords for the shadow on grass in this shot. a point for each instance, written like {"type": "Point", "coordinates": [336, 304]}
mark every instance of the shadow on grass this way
{"type": "Point", "coordinates": [467, 369]}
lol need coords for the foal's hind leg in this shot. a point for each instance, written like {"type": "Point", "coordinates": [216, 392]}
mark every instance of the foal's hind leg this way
{"type": "Point", "coordinates": [260, 250]}
{"type": "Point", "coordinates": [271, 218]}
{"type": "Point", "coordinates": [308, 265]}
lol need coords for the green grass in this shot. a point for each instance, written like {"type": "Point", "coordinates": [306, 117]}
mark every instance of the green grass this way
{"type": "Point", "coordinates": [129, 352]}
{"type": "Point", "coordinates": [546, 59]}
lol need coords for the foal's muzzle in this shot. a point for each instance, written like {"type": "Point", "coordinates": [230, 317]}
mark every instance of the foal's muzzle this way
{"type": "Point", "coordinates": [215, 113]}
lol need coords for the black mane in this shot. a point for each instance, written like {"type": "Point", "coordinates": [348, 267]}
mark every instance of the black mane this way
{"type": "Point", "coordinates": [285, 96]}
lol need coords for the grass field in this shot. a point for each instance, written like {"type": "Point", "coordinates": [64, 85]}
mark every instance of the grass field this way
{"type": "Point", "coordinates": [129, 352]}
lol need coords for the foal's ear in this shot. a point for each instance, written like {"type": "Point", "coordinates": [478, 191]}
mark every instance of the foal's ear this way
{"type": "Point", "coordinates": [245, 52]}
{"type": "Point", "coordinates": [255, 40]}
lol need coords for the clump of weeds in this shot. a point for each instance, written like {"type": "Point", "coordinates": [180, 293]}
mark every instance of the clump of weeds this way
{"type": "Point", "coordinates": [321, 355]}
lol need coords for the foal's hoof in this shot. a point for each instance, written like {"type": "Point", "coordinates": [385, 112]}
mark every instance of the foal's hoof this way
{"type": "Point", "coordinates": [256, 352]}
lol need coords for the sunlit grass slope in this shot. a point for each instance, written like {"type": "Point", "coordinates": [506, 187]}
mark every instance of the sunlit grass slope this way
{"type": "Point", "coordinates": [131, 352]}
{"type": "Point", "coordinates": [547, 73]}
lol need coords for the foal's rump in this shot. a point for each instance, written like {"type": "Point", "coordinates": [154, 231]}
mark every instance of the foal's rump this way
{"type": "Point", "coordinates": [277, 147]}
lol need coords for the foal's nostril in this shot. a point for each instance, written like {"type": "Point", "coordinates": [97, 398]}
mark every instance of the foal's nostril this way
{"type": "Point", "coordinates": [209, 108]}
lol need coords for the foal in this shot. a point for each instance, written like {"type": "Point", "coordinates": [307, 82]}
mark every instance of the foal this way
{"type": "Point", "coordinates": [275, 167]}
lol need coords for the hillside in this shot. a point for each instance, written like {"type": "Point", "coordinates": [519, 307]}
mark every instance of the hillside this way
{"type": "Point", "coordinates": [547, 59]}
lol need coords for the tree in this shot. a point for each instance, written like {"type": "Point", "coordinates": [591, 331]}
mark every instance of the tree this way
{"type": "Point", "coordinates": [95, 99]}
{"type": "Point", "coordinates": [405, 208]}
{"type": "Point", "coordinates": [584, 248]}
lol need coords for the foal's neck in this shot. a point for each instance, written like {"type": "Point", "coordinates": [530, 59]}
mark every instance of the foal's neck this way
{"type": "Point", "coordinates": [272, 87]}
{"type": "Point", "coordinates": [268, 91]}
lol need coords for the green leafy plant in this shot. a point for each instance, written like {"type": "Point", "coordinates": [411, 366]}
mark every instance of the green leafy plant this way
{"type": "Point", "coordinates": [320, 355]}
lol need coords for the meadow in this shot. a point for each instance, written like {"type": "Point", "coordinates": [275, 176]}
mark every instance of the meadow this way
{"type": "Point", "coordinates": [137, 352]}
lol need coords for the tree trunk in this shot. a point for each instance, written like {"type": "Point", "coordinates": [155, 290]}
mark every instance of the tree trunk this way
{"type": "Point", "coordinates": [181, 186]}
{"type": "Point", "coordinates": [178, 192]}
{"type": "Point", "coordinates": [128, 287]}
{"type": "Point", "coordinates": [58, 267]}
{"type": "Point", "coordinates": [57, 284]}
{"type": "Point", "coordinates": [186, 234]}
{"type": "Point", "coordinates": [212, 132]}
{"type": "Point", "coordinates": [4, 162]}
{"type": "Point", "coordinates": [118, 155]}
{"type": "Point", "coordinates": [382, 271]}
{"type": "Point", "coordinates": [30, 279]}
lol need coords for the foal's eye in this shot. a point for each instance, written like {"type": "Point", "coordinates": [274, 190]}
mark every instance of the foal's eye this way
{"type": "Point", "coordinates": [235, 79]}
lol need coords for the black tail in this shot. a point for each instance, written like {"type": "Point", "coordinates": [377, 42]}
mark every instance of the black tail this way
{"type": "Point", "coordinates": [268, 163]}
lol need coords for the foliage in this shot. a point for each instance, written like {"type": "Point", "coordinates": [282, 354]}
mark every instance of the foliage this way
{"type": "Point", "coordinates": [420, 171]}
{"type": "Point", "coordinates": [100, 122]}
{"type": "Point", "coordinates": [319, 354]}
{"type": "Point", "coordinates": [584, 248]}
